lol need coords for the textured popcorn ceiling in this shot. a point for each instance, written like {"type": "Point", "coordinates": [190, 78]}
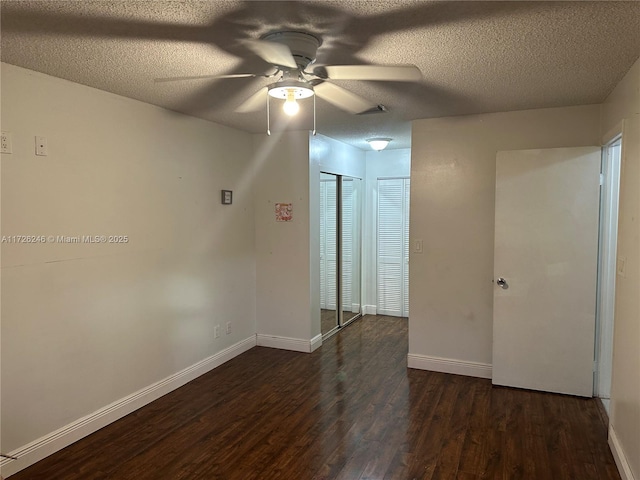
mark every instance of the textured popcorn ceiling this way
{"type": "Point", "coordinates": [475, 57]}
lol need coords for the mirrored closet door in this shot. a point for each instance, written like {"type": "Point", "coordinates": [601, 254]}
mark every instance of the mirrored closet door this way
{"type": "Point", "coordinates": [340, 251]}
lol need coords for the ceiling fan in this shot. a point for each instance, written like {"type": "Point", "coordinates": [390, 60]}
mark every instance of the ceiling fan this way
{"type": "Point", "coordinates": [291, 54]}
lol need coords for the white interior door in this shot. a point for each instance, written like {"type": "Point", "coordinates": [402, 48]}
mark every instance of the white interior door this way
{"type": "Point", "coordinates": [546, 246]}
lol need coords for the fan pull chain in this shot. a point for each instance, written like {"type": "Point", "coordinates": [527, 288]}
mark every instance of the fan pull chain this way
{"type": "Point", "coordinates": [268, 118]}
{"type": "Point", "coordinates": [314, 115]}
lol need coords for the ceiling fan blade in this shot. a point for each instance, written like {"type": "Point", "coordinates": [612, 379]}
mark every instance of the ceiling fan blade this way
{"type": "Point", "coordinates": [391, 73]}
{"type": "Point", "coordinates": [342, 98]}
{"type": "Point", "coordinates": [254, 103]}
{"type": "Point", "coordinates": [204, 77]}
{"type": "Point", "coordinates": [271, 52]}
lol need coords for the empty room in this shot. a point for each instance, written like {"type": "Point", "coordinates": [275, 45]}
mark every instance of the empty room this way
{"type": "Point", "coordinates": [320, 240]}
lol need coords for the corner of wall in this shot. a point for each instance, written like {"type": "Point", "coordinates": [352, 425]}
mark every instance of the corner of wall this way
{"type": "Point", "coordinates": [283, 295]}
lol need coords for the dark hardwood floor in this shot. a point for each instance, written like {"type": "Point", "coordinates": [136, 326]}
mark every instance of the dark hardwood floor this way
{"type": "Point", "coordinates": [350, 410]}
{"type": "Point", "coordinates": [329, 321]}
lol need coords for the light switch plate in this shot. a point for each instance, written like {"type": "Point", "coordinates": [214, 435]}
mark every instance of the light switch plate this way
{"type": "Point", "coordinates": [42, 148]}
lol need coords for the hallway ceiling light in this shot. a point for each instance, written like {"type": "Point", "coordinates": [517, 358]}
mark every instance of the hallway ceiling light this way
{"type": "Point", "coordinates": [378, 144]}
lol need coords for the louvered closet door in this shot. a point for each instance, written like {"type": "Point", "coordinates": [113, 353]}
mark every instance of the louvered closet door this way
{"type": "Point", "coordinates": [323, 246]}
{"type": "Point", "coordinates": [328, 244]}
{"type": "Point", "coordinates": [347, 244]}
{"type": "Point", "coordinates": [393, 247]}
{"type": "Point", "coordinates": [405, 249]}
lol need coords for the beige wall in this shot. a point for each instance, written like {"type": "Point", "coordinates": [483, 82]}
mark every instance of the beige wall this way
{"type": "Point", "coordinates": [84, 325]}
{"type": "Point", "coordinates": [282, 248]}
{"type": "Point", "coordinates": [452, 211]}
{"type": "Point", "coordinates": [622, 110]}
{"type": "Point", "coordinates": [624, 101]}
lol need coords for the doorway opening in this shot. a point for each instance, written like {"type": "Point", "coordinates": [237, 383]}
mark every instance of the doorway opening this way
{"type": "Point", "coordinates": [607, 251]}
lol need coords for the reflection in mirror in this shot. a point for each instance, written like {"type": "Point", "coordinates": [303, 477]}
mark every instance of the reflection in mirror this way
{"type": "Point", "coordinates": [351, 241]}
{"type": "Point", "coordinates": [345, 193]}
{"type": "Point", "coordinates": [328, 259]}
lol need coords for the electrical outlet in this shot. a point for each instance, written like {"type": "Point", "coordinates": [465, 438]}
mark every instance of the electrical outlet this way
{"type": "Point", "coordinates": [216, 331]}
{"type": "Point", "coordinates": [228, 328]}
{"type": "Point", "coordinates": [5, 143]}
{"type": "Point", "coordinates": [42, 149]}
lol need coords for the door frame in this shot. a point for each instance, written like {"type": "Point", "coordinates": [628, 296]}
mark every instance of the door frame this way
{"type": "Point", "coordinates": [607, 249]}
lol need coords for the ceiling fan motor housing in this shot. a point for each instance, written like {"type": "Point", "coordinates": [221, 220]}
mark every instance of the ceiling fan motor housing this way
{"type": "Point", "coordinates": [298, 88]}
{"type": "Point", "coordinates": [303, 46]}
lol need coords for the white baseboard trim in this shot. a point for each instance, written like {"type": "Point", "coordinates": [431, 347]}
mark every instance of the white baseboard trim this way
{"type": "Point", "coordinates": [65, 436]}
{"type": "Point", "coordinates": [369, 309]}
{"type": "Point", "coordinates": [618, 455]}
{"type": "Point", "coordinates": [449, 365]}
{"type": "Point", "coordinates": [316, 342]}
{"type": "Point", "coordinates": [287, 343]}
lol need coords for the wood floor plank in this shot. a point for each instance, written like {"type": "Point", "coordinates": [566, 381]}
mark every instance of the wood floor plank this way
{"type": "Point", "coordinates": [471, 455]}
{"type": "Point", "coordinates": [350, 410]}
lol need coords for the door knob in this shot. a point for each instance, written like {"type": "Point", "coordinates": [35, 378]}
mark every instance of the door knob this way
{"type": "Point", "coordinates": [502, 283]}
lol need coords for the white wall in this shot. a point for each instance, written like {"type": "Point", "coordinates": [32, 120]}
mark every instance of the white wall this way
{"type": "Point", "coordinates": [452, 210]}
{"type": "Point", "coordinates": [332, 156]}
{"type": "Point", "coordinates": [387, 163]}
{"type": "Point", "coordinates": [84, 325]}
{"type": "Point", "coordinates": [621, 112]}
{"type": "Point", "coordinates": [283, 259]}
